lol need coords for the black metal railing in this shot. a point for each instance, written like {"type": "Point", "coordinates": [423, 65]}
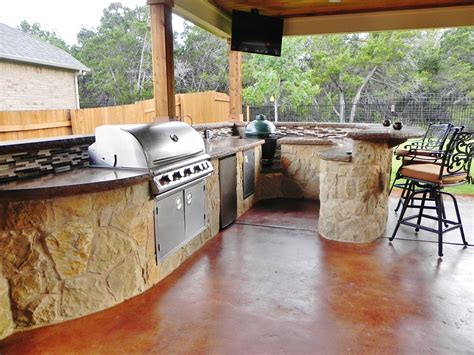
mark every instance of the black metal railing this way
{"type": "Point", "coordinates": [410, 112]}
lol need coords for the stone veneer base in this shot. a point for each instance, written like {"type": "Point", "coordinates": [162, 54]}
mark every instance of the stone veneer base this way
{"type": "Point", "coordinates": [300, 173]}
{"type": "Point", "coordinates": [354, 195]}
{"type": "Point", "coordinates": [71, 256]}
{"type": "Point", "coordinates": [67, 257]}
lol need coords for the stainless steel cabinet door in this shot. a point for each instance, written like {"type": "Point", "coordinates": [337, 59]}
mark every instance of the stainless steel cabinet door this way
{"type": "Point", "coordinates": [170, 228]}
{"type": "Point", "coordinates": [249, 173]}
{"type": "Point", "coordinates": [228, 187]}
{"type": "Point", "coordinates": [195, 209]}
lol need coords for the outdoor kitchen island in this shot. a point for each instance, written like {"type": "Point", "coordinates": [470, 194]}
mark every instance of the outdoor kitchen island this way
{"type": "Point", "coordinates": [355, 184]}
{"type": "Point", "coordinates": [77, 242]}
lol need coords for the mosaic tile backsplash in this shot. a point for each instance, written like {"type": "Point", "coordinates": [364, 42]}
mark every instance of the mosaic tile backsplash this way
{"type": "Point", "coordinates": [218, 133]}
{"type": "Point", "coordinates": [313, 131]}
{"type": "Point", "coordinates": [25, 165]}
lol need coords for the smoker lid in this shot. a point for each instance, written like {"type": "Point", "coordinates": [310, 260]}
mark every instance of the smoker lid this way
{"type": "Point", "coordinates": [260, 127]}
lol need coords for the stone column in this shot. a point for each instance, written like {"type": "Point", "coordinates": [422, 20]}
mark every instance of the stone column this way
{"type": "Point", "coordinates": [354, 195]}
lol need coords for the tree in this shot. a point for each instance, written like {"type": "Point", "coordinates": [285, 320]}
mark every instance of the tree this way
{"type": "Point", "coordinates": [281, 80]}
{"type": "Point", "coordinates": [47, 36]}
{"type": "Point", "coordinates": [118, 53]}
{"type": "Point", "coordinates": [344, 65]}
{"type": "Point", "coordinates": [201, 61]}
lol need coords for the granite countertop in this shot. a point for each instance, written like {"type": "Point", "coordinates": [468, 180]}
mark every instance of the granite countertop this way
{"type": "Point", "coordinates": [337, 154]}
{"type": "Point", "coordinates": [305, 141]}
{"type": "Point", "coordinates": [214, 125]}
{"type": "Point", "coordinates": [26, 145]}
{"type": "Point", "coordinates": [342, 152]}
{"type": "Point", "coordinates": [231, 145]}
{"type": "Point", "coordinates": [85, 180]}
{"type": "Point", "coordinates": [386, 135]}
{"type": "Point", "coordinates": [95, 179]}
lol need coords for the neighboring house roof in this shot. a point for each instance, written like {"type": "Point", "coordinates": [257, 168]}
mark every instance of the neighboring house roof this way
{"type": "Point", "coordinates": [18, 46]}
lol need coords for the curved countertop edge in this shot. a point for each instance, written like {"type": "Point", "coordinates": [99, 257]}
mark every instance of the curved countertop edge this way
{"type": "Point", "coordinates": [306, 141]}
{"type": "Point", "coordinates": [337, 154]}
{"type": "Point", "coordinates": [16, 146]}
{"type": "Point", "coordinates": [386, 135]}
{"type": "Point", "coordinates": [78, 181]}
{"type": "Point", "coordinates": [228, 146]}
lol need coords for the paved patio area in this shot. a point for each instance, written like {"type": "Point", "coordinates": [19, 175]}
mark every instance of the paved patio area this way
{"type": "Point", "coordinates": [270, 284]}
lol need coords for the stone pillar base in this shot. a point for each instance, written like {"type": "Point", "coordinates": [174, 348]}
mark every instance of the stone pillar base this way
{"type": "Point", "coordinates": [354, 195]}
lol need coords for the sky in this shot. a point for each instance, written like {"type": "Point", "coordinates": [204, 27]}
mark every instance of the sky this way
{"type": "Point", "coordinates": [62, 16]}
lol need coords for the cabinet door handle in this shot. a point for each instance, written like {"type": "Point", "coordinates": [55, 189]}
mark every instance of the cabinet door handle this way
{"type": "Point", "coordinates": [179, 203]}
{"type": "Point", "coordinates": [246, 158]}
{"type": "Point", "coordinates": [189, 198]}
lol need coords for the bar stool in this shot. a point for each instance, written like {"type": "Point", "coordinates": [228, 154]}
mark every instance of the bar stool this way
{"type": "Point", "coordinates": [430, 179]}
{"type": "Point", "coordinates": [428, 150]}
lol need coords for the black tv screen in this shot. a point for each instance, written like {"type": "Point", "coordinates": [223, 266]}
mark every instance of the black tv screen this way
{"type": "Point", "coordinates": [255, 33]}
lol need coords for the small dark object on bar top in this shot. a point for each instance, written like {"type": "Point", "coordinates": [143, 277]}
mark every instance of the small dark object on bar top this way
{"type": "Point", "coordinates": [386, 122]}
{"type": "Point", "coordinates": [349, 152]}
{"type": "Point", "coordinates": [398, 125]}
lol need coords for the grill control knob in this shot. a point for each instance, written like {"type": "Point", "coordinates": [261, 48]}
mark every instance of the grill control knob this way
{"type": "Point", "coordinates": [197, 168]}
{"type": "Point", "coordinates": [164, 180]}
{"type": "Point", "coordinates": [177, 175]}
{"type": "Point", "coordinates": [187, 172]}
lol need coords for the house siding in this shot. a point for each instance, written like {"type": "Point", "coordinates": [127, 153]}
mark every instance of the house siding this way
{"type": "Point", "coordinates": [29, 87]}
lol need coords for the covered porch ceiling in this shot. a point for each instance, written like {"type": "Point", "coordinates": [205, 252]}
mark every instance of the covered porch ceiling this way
{"type": "Point", "coordinates": [308, 17]}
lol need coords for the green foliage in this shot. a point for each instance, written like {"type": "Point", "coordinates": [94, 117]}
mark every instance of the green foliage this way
{"type": "Point", "coordinates": [201, 61]}
{"type": "Point", "coordinates": [286, 79]}
{"type": "Point", "coordinates": [51, 37]}
{"type": "Point", "coordinates": [119, 55]}
{"type": "Point", "coordinates": [340, 70]}
{"type": "Point", "coordinates": [332, 71]}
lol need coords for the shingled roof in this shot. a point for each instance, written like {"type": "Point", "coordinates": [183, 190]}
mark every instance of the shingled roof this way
{"type": "Point", "coordinates": [18, 46]}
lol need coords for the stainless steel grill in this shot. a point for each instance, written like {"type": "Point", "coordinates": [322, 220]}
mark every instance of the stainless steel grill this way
{"type": "Point", "coordinates": [173, 152]}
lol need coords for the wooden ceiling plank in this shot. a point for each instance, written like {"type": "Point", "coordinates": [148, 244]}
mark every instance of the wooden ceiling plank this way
{"type": "Point", "coordinates": [292, 8]}
{"type": "Point", "coordinates": [205, 15]}
{"type": "Point", "coordinates": [443, 17]}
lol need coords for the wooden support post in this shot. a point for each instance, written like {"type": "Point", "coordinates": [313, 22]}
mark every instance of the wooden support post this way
{"type": "Point", "coordinates": [235, 85]}
{"type": "Point", "coordinates": [162, 57]}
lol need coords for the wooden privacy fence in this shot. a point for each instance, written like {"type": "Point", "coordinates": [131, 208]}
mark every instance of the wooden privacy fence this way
{"type": "Point", "coordinates": [192, 108]}
{"type": "Point", "coordinates": [203, 107]}
{"type": "Point", "coordinates": [84, 121]}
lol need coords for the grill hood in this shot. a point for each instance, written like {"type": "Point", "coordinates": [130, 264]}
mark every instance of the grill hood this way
{"type": "Point", "coordinates": [150, 146]}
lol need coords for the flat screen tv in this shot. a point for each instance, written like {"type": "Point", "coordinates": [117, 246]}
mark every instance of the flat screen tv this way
{"type": "Point", "coordinates": [255, 33]}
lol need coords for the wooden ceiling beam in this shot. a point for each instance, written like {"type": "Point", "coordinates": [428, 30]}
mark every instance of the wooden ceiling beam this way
{"type": "Point", "coordinates": [442, 17]}
{"type": "Point", "coordinates": [205, 15]}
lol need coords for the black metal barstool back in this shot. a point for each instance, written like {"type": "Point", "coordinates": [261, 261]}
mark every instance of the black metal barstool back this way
{"type": "Point", "coordinates": [421, 151]}
{"type": "Point", "coordinates": [458, 158]}
{"type": "Point", "coordinates": [428, 180]}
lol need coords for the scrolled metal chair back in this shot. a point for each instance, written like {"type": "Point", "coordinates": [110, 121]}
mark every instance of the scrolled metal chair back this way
{"type": "Point", "coordinates": [458, 156]}
{"type": "Point", "coordinates": [436, 136]}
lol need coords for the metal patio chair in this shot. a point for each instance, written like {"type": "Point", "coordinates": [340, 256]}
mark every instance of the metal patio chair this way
{"type": "Point", "coordinates": [429, 179]}
{"type": "Point", "coordinates": [420, 152]}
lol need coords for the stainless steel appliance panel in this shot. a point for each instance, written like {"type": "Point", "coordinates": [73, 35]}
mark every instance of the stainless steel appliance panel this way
{"type": "Point", "coordinates": [249, 173]}
{"type": "Point", "coordinates": [228, 190]}
{"type": "Point", "coordinates": [169, 223]}
{"type": "Point", "coordinates": [195, 209]}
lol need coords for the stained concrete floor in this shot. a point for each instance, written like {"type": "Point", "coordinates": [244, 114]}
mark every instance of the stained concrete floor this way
{"type": "Point", "coordinates": [270, 284]}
